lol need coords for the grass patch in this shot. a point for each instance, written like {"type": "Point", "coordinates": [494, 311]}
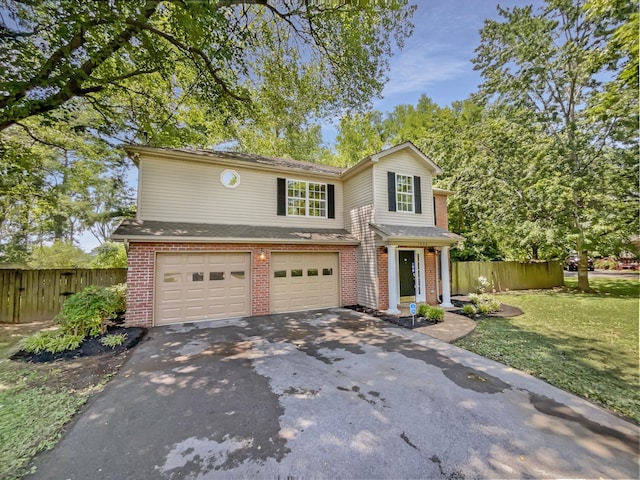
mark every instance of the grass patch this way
{"type": "Point", "coordinates": [37, 400]}
{"type": "Point", "coordinates": [584, 343]}
{"type": "Point", "coordinates": [32, 416]}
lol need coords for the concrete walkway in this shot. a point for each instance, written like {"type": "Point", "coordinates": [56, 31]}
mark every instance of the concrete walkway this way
{"type": "Point", "coordinates": [453, 328]}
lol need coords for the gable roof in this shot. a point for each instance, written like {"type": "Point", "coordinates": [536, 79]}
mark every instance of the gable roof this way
{"type": "Point", "coordinates": [371, 159]}
{"type": "Point", "coordinates": [259, 161]}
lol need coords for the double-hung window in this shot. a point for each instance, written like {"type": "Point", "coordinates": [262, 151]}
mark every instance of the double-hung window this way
{"type": "Point", "coordinates": [306, 199]}
{"type": "Point", "coordinates": [404, 193]}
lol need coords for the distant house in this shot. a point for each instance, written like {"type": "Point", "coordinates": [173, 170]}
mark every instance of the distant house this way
{"type": "Point", "coordinates": [222, 234]}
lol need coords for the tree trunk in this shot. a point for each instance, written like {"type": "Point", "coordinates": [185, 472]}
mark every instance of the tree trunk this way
{"type": "Point", "coordinates": [583, 271]}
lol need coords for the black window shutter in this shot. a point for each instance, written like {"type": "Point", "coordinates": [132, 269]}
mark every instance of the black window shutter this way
{"type": "Point", "coordinates": [331, 201]}
{"type": "Point", "coordinates": [434, 209]}
{"type": "Point", "coordinates": [391, 187]}
{"type": "Point", "coordinates": [417, 195]}
{"type": "Point", "coordinates": [282, 196]}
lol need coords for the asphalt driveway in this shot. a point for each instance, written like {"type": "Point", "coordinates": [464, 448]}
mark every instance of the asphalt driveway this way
{"type": "Point", "coordinates": [331, 394]}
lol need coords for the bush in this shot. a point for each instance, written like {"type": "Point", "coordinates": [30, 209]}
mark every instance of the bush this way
{"type": "Point", "coordinates": [484, 303]}
{"type": "Point", "coordinates": [86, 312]}
{"type": "Point", "coordinates": [52, 342]}
{"type": "Point", "coordinates": [36, 343]}
{"type": "Point", "coordinates": [469, 310]}
{"type": "Point", "coordinates": [113, 340]}
{"type": "Point", "coordinates": [484, 308]}
{"type": "Point", "coordinates": [606, 264]}
{"type": "Point", "coordinates": [423, 309]}
{"type": "Point", "coordinates": [435, 314]}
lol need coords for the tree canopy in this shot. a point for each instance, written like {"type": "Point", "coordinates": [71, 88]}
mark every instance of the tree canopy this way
{"type": "Point", "coordinates": [233, 58]}
{"type": "Point", "coordinates": [79, 78]}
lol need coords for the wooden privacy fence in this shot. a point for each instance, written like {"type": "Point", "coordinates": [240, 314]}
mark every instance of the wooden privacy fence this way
{"type": "Point", "coordinates": [35, 295]}
{"type": "Point", "coordinates": [505, 275]}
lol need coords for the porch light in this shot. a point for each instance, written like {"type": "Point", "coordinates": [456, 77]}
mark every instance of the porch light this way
{"type": "Point", "coordinates": [262, 255]}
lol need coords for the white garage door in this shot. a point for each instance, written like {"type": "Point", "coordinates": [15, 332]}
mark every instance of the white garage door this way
{"type": "Point", "coordinates": [201, 286]}
{"type": "Point", "coordinates": [302, 281]}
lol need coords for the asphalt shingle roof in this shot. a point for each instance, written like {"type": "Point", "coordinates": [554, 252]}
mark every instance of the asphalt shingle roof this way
{"type": "Point", "coordinates": [131, 229]}
{"type": "Point", "coordinates": [402, 231]}
{"type": "Point", "coordinates": [260, 160]}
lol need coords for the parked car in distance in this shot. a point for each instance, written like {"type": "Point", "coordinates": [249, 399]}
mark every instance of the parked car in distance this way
{"type": "Point", "coordinates": [571, 263]}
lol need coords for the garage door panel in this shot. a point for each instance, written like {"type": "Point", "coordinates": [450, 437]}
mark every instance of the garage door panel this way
{"type": "Point", "coordinates": [301, 283]}
{"type": "Point", "coordinates": [199, 286]}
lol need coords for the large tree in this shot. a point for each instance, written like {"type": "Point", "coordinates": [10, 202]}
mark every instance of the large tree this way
{"type": "Point", "coordinates": [552, 66]}
{"type": "Point", "coordinates": [222, 54]}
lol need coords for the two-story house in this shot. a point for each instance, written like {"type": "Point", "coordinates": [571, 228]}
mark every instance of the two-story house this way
{"type": "Point", "coordinates": [223, 234]}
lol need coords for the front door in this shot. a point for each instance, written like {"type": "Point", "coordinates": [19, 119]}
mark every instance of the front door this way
{"type": "Point", "coordinates": [407, 272]}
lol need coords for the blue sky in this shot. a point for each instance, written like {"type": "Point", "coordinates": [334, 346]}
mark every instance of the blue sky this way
{"type": "Point", "coordinates": [436, 60]}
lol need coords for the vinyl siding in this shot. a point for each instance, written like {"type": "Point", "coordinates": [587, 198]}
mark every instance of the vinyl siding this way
{"type": "Point", "coordinates": [358, 214]}
{"type": "Point", "coordinates": [186, 191]}
{"type": "Point", "coordinates": [405, 163]}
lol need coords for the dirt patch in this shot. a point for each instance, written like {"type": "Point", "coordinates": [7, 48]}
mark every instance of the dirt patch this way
{"type": "Point", "coordinates": [404, 322]}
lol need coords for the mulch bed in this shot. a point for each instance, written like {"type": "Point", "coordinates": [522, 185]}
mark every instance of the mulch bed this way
{"type": "Point", "coordinates": [88, 348]}
{"type": "Point", "coordinates": [506, 311]}
{"type": "Point", "coordinates": [404, 322]}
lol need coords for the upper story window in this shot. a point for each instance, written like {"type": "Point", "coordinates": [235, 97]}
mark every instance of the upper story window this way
{"type": "Point", "coordinates": [404, 193]}
{"type": "Point", "coordinates": [306, 199]}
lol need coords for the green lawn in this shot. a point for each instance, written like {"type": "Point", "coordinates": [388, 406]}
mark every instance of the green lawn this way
{"type": "Point", "coordinates": [37, 400]}
{"type": "Point", "coordinates": [584, 343]}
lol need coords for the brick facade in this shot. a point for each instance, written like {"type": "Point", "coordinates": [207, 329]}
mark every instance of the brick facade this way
{"type": "Point", "coordinates": [430, 277]}
{"type": "Point", "coordinates": [442, 217]}
{"type": "Point", "coordinates": [141, 273]}
{"type": "Point", "coordinates": [383, 278]}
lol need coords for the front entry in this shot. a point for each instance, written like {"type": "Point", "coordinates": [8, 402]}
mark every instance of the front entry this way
{"type": "Point", "coordinates": [407, 274]}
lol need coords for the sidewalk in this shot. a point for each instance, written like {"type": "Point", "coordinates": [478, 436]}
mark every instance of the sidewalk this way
{"type": "Point", "coordinates": [453, 328]}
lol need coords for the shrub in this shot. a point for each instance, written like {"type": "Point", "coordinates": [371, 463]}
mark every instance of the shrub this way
{"type": "Point", "coordinates": [435, 314]}
{"type": "Point", "coordinates": [53, 342]}
{"type": "Point", "coordinates": [86, 312]}
{"type": "Point", "coordinates": [113, 340]}
{"type": "Point", "coordinates": [477, 299]}
{"type": "Point", "coordinates": [64, 342]}
{"type": "Point", "coordinates": [120, 296]}
{"type": "Point", "coordinates": [469, 310]}
{"type": "Point", "coordinates": [423, 309]}
{"type": "Point", "coordinates": [606, 263]}
{"type": "Point", "coordinates": [484, 308]}
{"type": "Point", "coordinates": [483, 284]}
{"type": "Point", "coordinates": [36, 343]}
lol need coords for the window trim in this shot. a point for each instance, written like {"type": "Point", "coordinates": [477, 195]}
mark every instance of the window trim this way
{"type": "Point", "coordinates": [325, 200]}
{"type": "Point", "coordinates": [412, 203]}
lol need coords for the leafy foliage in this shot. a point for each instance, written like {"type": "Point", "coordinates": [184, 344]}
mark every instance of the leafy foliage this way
{"type": "Point", "coordinates": [435, 314]}
{"type": "Point", "coordinates": [110, 255]}
{"type": "Point", "coordinates": [59, 255]}
{"type": "Point", "coordinates": [469, 310]}
{"type": "Point", "coordinates": [423, 308]}
{"type": "Point", "coordinates": [548, 68]}
{"type": "Point", "coordinates": [113, 340]}
{"type": "Point", "coordinates": [86, 312]}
